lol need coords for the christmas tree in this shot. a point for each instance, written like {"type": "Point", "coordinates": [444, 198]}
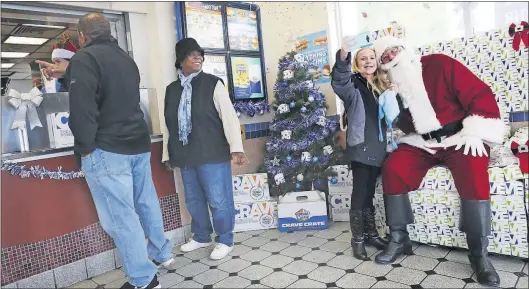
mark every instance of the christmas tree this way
{"type": "Point", "coordinates": [301, 148]}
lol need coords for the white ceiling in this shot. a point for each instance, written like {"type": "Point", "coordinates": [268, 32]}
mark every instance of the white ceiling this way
{"type": "Point", "coordinates": [11, 24]}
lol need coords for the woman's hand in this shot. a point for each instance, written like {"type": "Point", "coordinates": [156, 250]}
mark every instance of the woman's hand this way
{"type": "Point", "coordinates": [168, 166]}
{"type": "Point", "coordinates": [347, 43]}
{"type": "Point", "coordinates": [239, 158]}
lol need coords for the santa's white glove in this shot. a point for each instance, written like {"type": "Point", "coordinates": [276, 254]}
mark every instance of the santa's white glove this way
{"type": "Point", "coordinates": [472, 144]}
{"type": "Point", "coordinates": [348, 42]}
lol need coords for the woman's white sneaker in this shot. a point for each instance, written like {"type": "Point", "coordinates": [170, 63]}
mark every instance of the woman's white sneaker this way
{"type": "Point", "coordinates": [192, 245]}
{"type": "Point", "coordinates": [220, 251]}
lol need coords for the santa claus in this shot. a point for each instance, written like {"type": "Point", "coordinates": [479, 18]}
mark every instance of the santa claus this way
{"type": "Point", "coordinates": [449, 117]}
{"type": "Point", "coordinates": [62, 52]}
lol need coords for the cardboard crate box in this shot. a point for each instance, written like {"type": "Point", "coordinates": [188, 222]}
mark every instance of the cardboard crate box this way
{"type": "Point", "coordinates": [258, 215]}
{"type": "Point", "coordinates": [299, 211]}
{"type": "Point", "coordinates": [250, 187]}
{"type": "Point", "coordinates": [343, 183]}
{"type": "Point", "coordinates": [340, 205]}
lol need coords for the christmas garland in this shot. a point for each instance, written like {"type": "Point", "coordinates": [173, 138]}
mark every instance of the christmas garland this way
{"type": "Point", "coordinates": [39, 172]}
{"type": "Point", "coordinates": [251, 108]}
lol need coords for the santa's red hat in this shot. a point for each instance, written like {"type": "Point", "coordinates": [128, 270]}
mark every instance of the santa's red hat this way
{"type": "Point", "coordinates": [64, 48]}
{"type": "Point", "coordinates": [521, 151]}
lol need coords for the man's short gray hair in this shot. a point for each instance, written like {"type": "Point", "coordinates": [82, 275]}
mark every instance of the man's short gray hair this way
{"type": "Point", "coordinates": [94, 25]}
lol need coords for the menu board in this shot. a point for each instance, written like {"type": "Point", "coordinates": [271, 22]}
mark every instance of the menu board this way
{"type": "Point", "coordinates": [242, 29]}
{"type": "Point", "coordinates": [216, 65]}
{"type": "Point", "coordinates": [247, 78]}
{"type": "Point", "coordinates": [204, 23]}
{"type": "Point", "coordinates": [313, 47]}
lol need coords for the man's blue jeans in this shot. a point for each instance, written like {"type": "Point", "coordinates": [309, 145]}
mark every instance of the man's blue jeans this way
{"type": "Point", "coordinates": [128, 210]}
{"type": "Point", "coordinates": [210, 184]}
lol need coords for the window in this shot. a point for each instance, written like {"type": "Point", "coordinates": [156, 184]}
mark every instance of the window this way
{"type": "Point", "coordinates": [488, 16]}
{"type": "Point", "coordinates": [230, 34]}
{"type": "Point", "coordinates": [424, 23]}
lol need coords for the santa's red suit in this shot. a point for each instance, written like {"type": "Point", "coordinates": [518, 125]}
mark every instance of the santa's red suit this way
{"type": "Point", "coordinates": [444, 106]}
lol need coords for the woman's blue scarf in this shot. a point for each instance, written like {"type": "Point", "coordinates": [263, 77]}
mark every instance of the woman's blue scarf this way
{"type": "Point", "coordinates": [184, 108]}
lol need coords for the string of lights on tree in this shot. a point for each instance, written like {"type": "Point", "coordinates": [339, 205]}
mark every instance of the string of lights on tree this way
{"type": "Point", "coordinates": [301, 147]}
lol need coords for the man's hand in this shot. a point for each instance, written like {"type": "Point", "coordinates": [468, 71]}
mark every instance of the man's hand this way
{"type": "Point", "coordinates": [473, 144]}
{"type": "Point", "coordinates": [239, 159]}
{"type": "Point", "coordinates": [52, 70]}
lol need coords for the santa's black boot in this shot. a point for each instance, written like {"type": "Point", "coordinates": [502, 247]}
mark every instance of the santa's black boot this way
{"type": "Point", "coordinates": [475, 221]}
{"type": "Point", "coordinates": [371, 236]}
{"type": "Point", "coordinates": [398, 216]}
{"type": "Point", "coordinates": [356, 218]}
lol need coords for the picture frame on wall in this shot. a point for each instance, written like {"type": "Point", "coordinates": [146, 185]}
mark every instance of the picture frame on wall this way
{"type": "Point", "coordinates": [204, 22]}
{"type": "Point", "coordinates": [239, 43]}
{"type": "Point", "coordinates": [242, 29]}
{"type": "Point", "coordinates": [247, 78]}
{"type": "Point", "coordinates": [217, 65]}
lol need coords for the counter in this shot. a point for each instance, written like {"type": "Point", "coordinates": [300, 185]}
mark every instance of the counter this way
{"type": "Point", "coordinates": [50, 227]}
{"type": "Point", "coordinates": [50, 223]}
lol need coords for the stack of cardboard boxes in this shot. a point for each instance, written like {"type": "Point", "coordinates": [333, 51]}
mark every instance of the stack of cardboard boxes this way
{"type": "Point", "coordinates": [340, 188]}
{"type": "Point", "coordinates": [255, 209]}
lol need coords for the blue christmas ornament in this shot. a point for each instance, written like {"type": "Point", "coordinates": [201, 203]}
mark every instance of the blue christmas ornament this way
{"type": "Point", "coordinates": [315, 159]}
{"type": "Point", "coordinates": [298, 186]}
{"type": "Point", "coordinates": [284, 84]}
{"type": "Point", "coordinates": [289, 158]}
{"type": "Point", "coordinates": [319, 182]}
{"type": "Point", "coordinates": [292, 104]}
{"type": "Point", "coordinates": [334, 180]}
{"type": "Point", "coordinates": [303, 110]}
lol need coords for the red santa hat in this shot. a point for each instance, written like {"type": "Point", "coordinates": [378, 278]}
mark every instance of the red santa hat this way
{"type": "Point", "coordinates": [521, 151]}
{"type": "Point", "coordinates": [64, 48]}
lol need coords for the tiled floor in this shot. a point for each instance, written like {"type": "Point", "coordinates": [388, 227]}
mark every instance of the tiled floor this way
{"type": "Point", "coordinates": [318, 259]}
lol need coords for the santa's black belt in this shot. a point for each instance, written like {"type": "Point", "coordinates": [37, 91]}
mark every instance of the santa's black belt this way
{"type": "Point", "coordinates": [447, 130]}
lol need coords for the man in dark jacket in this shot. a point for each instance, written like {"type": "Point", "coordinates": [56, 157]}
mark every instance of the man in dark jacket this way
{"type": "Point", "coordinates": [113, 141]}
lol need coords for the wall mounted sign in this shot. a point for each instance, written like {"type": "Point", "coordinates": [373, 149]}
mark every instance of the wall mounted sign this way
{"type": "Point", "coordinates": [204, 23]}
{"type": "Point", "coordinates": [314, 48]}
{"type": "Point", "coordinates": [242, 29]}
{"type": "Point", "coordinates": [247, 78]}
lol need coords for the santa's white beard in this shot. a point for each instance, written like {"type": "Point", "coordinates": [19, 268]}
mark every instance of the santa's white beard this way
{"type": "Point", "coordinates": [407, 76]}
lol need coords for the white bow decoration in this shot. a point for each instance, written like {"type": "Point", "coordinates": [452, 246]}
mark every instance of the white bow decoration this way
{"type": "Point", "coordinates": [26, 105]}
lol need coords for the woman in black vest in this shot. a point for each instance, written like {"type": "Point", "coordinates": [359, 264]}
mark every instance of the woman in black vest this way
{"type": "Point", "coordinates": [202, 138]}
{"type": "Point", "coordinates": [359, 91]}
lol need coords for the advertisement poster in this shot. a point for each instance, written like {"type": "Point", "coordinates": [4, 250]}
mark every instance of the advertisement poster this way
{"type": "Point", "coordinates": [216, 65]}
{"type": "Point", "coordinates": [313, 47]}
{"type": "Point", "coordinates": [204, 23]}
{"type": "Point", "coordinates": [247, 78]}
{"type": "Point", "coordinates": [242, 29]}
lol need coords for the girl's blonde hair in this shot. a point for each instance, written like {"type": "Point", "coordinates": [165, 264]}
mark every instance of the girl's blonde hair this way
{"type": "Point", "coordinates": [379, 83]}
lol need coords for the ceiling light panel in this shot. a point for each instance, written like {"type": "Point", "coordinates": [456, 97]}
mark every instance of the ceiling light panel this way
{"type": "Point", "coordinates": [14, 54]}
{"type": "Point", "coordinates": [45, 26]}
{"type": "Point", "coordinates": [25, 40]}
{"type": "Point", "coordinates": [7, 65]}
